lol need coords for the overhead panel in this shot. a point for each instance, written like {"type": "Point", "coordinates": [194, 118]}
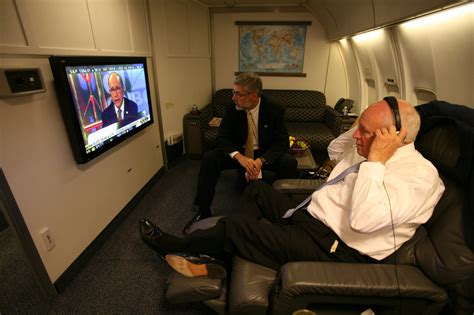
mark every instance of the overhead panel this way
{"type": "Point", "coordinates": [343, 18]}
{"type": "Point", "coordinates": [351, 16]}
{"type": "Point", "coordinates": [317, 8]}
{"type": "Point", "coordinates": [389, 12]}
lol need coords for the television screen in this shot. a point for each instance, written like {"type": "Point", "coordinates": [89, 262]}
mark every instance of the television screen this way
{"type": "Point", "coordinates": [104, 100]}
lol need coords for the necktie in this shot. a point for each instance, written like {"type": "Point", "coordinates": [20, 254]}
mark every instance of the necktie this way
{"type": "Point", "coordinates": [250, 133]}
{"type": "Point", "coordinates": [119, 115]}
{"type": "Point", "coordinates": [351, 169]}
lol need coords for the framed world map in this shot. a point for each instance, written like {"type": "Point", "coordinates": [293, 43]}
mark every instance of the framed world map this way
{"type": "Point", "coordinates": [272, 48]}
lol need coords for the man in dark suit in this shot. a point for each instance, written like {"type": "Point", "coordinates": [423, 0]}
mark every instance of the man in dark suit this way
{"type": "Point", "coordinates": [262, 146]}
{"type": "Point", "coordinates": [121, 109]}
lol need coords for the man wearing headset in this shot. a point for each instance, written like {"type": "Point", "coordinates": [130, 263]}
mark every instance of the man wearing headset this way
{"type": "Point", "coordinates": [379, 192]}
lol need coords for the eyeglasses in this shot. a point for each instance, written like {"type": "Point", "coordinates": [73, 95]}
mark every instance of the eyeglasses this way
{"type": "Point", "coordinates": [238, 94]}
{"type": "Point", "coordinates": [115, 88]}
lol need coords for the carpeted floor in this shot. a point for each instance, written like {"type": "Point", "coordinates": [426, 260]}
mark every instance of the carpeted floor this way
{"type": "Point", "coordinates": [125, 276]}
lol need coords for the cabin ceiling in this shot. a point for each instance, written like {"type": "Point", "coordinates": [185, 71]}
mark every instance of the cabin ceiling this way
{"type": "Point", "coordinates": [340, 18]}
{"type": "Point", "coordinates": [223, 3]}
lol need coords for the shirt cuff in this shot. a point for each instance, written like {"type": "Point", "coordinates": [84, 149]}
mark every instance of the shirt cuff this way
{"type": "Point", "coordinates": [232, 154]}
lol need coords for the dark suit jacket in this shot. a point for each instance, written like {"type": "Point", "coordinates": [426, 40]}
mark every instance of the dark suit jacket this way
{"type": "Point", "coordinates": [272, 132]}
{"type": "Point", "coordinates": [109, 116]}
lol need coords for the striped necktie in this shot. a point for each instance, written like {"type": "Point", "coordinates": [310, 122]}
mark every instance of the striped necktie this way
{"type": "Point", "coordinates": [351, 169]}
{"type": "Point", "coordinates": [119, 115]}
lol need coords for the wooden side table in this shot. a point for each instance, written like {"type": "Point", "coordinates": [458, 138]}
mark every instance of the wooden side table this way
{"type": "Point", "coordinates": [305, 162]}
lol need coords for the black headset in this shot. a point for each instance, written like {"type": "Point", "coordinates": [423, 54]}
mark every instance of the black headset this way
{"type": "Point", "coordinates": [393, 104]}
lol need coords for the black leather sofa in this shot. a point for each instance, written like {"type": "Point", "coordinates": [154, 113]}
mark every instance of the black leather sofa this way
{"type": "Point", "coordinates": [431, 273]}
{"type": "Point", "coordinates": [307, 116]}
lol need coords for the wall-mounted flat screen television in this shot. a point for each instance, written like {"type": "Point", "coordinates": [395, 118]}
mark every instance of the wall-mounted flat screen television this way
{"type": "Point", "coordinates": [103, 100]}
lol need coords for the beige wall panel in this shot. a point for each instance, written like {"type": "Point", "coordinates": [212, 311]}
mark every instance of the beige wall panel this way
{"type": "Point", "coordinates": [176, 15]}
{"type": "Point", "coordinates": [418, 64]}
{"type": "Point", "coordinates": [352, 74]}
{"type": "Point", "coordinates": [225, 51]}
{"type": "Point", "coordinates": [368, 70]}
{"type": "Point", "coordinates": [111, 25]}
{"type": "Point", "coordinates": [58, 24]}
{"type": "Point", "coordinates": [336, 85]}
{"type": "Point", "coordinates": [182, 81]}
{"type": "Point", "coordinates": [199, 30]}
{"type": "Point", "coordinates": [387, 65]}
{"type": "Point", "coordinates": [11, 30]}
{"type": "Point", "coordinates": [76, 202]}
{"type": "Point", "coordinates": [379, 65]}
{"type": "Point", "coordinates": [139, 26]}
{"type": "Point", "coordinates": [437, 53]}
{"type": "Point", "coordinates": [188, 83]}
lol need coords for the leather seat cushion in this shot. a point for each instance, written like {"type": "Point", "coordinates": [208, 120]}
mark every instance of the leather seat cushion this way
{"type": "Point", "coordinates": [182, 289]}
{"type": "Point", "coordinates": [257, 281]}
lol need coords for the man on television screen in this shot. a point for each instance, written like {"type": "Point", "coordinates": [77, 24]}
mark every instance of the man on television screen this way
{"type": "Point", "coordinates": [121, 109]}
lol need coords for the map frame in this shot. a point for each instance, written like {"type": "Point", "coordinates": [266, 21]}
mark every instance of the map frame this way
{"type": "Point", "coordinates": [244, 25]}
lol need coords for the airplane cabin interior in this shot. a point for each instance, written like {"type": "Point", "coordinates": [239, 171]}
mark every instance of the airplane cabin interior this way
{"type": "Point", "coordinates": [75, 181]}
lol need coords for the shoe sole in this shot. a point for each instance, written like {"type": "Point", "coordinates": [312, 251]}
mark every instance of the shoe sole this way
{"type": "Point", "coordinates": [191, 270]}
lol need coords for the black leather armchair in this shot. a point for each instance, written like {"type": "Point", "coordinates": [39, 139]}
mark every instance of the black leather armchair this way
{"type": "Point", "coordinates": [431, 273]}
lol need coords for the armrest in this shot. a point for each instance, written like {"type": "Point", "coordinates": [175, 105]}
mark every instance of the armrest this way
{"type": "Point", "coordinates": [333, 119]}
{"type": "Point", "coordinates": [297, 186]}
{"type": "Point", "coordinates": [206, 115]}
{"type": "Point", "coordinates": [349, 280]}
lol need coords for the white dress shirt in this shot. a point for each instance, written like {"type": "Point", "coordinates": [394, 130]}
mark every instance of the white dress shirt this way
{"type": "Point", "coordinates": [362, 208]}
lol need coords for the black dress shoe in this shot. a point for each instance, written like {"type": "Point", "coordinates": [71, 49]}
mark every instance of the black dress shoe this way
{"type": "Point", "coordinates": [197, 217]}
{"type": "Point", "coordinates": [190, 265]}
{"type": "Point", "coordinates": [150, 234]}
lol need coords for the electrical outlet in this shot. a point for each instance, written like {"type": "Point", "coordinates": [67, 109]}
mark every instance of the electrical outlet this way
{"type": "Point", "coordinates": [47, 239]}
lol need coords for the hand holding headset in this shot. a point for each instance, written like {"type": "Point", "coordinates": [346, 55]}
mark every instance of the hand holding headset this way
{"type": "Point", "coordinates": [386, 142]}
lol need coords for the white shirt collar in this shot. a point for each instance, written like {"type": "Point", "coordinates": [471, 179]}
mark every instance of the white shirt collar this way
{"type": "Point", "coordinates": [256, 108]}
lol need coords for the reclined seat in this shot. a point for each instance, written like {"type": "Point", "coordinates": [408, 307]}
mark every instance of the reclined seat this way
{"type": "Point", "coordinates": [431, 273]}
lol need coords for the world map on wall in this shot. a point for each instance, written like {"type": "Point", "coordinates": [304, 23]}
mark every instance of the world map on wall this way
{"type": "Point", "coordinates": [272, 48]}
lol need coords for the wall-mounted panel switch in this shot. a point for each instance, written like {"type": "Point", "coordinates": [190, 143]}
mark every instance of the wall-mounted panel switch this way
{"type": "Point", "coordinates": [20, 81]}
